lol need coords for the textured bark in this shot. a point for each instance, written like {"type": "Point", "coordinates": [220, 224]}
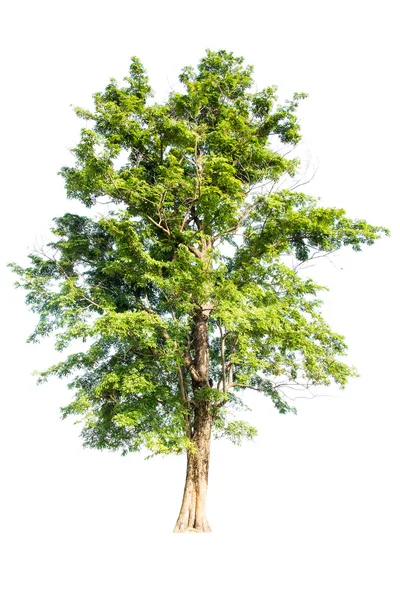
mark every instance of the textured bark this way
{"type": "Point", "coordinates": [201, 349]}
{"type": "Point", "coordinates": [192, 516]}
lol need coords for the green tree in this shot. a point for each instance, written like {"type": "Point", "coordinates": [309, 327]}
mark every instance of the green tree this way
{"type": "Point", "coordinates": [182, 290]}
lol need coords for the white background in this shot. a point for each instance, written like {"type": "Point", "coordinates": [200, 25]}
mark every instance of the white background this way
{"type": "Point", "coordinates": [311, 509]}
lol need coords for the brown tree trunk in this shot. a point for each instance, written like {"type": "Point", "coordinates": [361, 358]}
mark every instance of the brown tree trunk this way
{"type": "Point", "coordinates": [192, 516]}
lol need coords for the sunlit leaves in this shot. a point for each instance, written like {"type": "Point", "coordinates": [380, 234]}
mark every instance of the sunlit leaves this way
{"type": "Point", "coordinates": [235, 431]}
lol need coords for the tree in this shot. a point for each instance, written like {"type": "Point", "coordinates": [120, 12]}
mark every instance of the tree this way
{"type": "Point", "coordinates": [182, 290]}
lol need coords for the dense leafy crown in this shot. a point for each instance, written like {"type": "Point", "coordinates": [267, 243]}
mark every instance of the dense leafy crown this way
{"type": "Point", "coordinates": [193, 218]}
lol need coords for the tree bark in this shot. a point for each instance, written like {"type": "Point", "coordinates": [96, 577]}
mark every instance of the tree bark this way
{"type": "Point", "coordinates": [192, 516]}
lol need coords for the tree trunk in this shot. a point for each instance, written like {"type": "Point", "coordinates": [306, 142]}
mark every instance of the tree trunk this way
{"type": "Point", "coordinates": [192, 516]}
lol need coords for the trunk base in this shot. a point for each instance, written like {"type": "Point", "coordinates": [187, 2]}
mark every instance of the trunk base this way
{"type": "Point", "coordinates": [192, 516]}
{"type": "Point", "coordinates": [181, 527]}
{"type": "Point", "coordinates": [188, 530]}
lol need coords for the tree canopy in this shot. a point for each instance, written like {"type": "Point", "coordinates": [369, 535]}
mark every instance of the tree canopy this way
{"type": "Point", "coordinates": [195, 229]}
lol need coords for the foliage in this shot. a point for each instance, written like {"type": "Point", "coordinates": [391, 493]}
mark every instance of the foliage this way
{"type": "Point", "coordinates": [195, 217]}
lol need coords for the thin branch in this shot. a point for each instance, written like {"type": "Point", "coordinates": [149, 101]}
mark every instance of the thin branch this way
{"type": "Point", "coordinates": [186, 403]}
{"type": "Point", "coordinates": [196, 252]}
{"type": "Point", "coordinates": [238, 222]}
{"type": "Point", "coordinates": [300, 183]}
{"type": "Point", "coordinates": [240, 385]}
{"type": "Point", "coordinates": [223, 366]}
{"type": "Point", "coordinates": [230, 377]}
{"type": "Point", "coordinates": [167, 231]}
{"type": "Point", "coordinates": [68, 278]}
